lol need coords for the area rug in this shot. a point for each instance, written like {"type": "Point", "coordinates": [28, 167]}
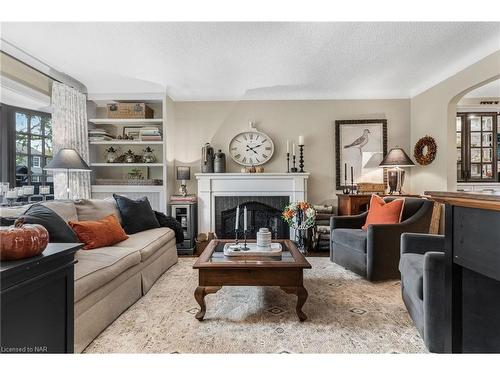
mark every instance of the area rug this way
{"type": "Point", "coordinates": [346, 314]}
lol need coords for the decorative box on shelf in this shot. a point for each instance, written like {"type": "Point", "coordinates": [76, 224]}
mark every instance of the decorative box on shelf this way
{"type": "Point", "coordinates": [129, 110]}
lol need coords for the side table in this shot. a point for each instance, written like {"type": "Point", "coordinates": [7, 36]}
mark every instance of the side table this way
{"type": "Point", "coordinates": [354, 204]}
{"type": "Point", "coordinates": [186, 214]}
{"type": "Point", "coordinates": [37, 301]}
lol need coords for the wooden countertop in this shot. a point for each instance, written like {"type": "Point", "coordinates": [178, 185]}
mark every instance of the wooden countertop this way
{"type": "Point", "coordinates": [484, 200]}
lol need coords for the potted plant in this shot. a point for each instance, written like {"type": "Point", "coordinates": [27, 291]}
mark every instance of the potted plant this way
{"type": "Point", "coordinates": [299, 216]}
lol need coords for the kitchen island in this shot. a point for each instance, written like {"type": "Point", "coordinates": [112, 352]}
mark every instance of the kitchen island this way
{"type": "Point", "coordinates": [472, 276]}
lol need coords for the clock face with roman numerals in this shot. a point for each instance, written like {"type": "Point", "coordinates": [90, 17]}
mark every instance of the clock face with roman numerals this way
{"type": "Point", "coordinates": [251, 148]}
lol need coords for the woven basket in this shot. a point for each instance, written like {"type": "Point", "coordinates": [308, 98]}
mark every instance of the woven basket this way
{"type": "Point", "coordinates": [129, 110]}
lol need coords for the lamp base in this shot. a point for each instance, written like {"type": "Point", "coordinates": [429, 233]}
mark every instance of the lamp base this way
{"type": "Point", "coordinates": [395, 180]}
{"type": "Point", "coordinates": [183, 190]}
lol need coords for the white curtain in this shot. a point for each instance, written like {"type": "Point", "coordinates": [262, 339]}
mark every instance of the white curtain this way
{"type": "Point", "coordinates": [69, 128]}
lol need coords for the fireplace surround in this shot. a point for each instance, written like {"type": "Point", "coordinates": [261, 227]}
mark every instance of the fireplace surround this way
{"type": "Point", "coordinates": [263, 212]}
{"type": "Point", "coordinates": [253, 187]}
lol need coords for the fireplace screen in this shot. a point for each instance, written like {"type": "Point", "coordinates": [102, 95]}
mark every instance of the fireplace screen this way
{"type": "Point", "coordinates": [263, 212]}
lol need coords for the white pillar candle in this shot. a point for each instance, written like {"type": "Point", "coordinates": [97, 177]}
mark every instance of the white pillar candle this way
{"type": "Point", "coordinates": [245, 218]}
{"type": "Point", "coordinates": [293, 148]}
{"type": "Point", "coordinates": [11, 194]}
{"type": "Point", "coordinates": [237, 225]}
{"type": "Point", "coordinates": [301, 140]}
{"type": "Point", "coordinates": [287, 146]}
{"type": "Point", "coordinates": [28, 190]}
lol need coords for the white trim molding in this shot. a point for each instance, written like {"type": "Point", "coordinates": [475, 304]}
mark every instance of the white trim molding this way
{"type": "Point", "coordinates": [18, 95]}
{"type": "Point", "coordinates": [211, 185]}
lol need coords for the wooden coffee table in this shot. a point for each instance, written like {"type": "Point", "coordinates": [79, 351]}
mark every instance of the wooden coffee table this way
{"type": "Point", "coordinates": [217, 270]}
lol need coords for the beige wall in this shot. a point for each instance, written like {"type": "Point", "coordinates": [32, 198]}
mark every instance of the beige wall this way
{"type": "Point", "coordinates": [433, 113]}
{"type": "Point", "coordinates": [217, 122]}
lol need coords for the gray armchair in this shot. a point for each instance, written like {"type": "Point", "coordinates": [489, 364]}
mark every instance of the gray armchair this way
{"type": "Point", "coordinates": [422, 267]}
{"type": "Point", "coordinates": [375, 253]}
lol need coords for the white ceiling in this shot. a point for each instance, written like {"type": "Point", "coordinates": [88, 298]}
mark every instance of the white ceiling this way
{"type": "Point", "coordinates": [234, 61]}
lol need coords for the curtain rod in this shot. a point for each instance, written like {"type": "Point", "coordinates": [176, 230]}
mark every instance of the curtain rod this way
{"type": "Point", "coordinates": [40, 66]}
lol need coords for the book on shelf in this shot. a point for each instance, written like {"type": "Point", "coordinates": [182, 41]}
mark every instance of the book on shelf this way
{"type": "Point", "coordinates": [151, 138]}
{"type": "Point", "coordinates": [99, 135]}
{"type": "Point", "coordinates": [180, 198]}
{"type": "Point", "coordinates": [100, 139]}
{"type": "Point", "coordinates": [150, 132]}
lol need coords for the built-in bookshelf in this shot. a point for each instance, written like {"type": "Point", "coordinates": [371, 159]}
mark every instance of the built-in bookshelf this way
{"type": "Point", "coordinates": [123, 177]}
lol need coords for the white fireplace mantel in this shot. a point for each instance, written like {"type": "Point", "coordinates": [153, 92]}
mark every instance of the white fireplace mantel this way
{"type": "Point", "coordinates": [211, 185]}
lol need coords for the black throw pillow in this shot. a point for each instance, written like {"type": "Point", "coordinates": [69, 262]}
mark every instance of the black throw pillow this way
{"type": "Point", "coordinates": [137, 215]}
{"type": "Point", "coordinates": [170, 222]}
{"type": "Point", "coordinates": [59, 230]}
{"type": "Point", "coordinates": [7, 221]}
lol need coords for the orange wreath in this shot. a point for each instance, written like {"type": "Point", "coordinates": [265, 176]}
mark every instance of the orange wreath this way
{"type": "Point", "coordinates": [425, 143]}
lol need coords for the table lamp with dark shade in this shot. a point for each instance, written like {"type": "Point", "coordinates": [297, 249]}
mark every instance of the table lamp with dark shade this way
{"type": "Point", "coordinates": [183, 174]}
{"type": "Point", "coordinates": [67, 159]}
{"type": "Point", "coordinates": [396, 159]}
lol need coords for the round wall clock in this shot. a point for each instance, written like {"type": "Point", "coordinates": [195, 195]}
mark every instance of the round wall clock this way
{"type": "Point", "coordinates": [251, 147]}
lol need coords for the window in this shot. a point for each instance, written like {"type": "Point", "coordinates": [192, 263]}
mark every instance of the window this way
{"type": "Point", "coordinates": [36, 161]}
{"type": "Point", "coordinates": [33, 132]}
{"type": "Point", "coordinates": [477, 147]}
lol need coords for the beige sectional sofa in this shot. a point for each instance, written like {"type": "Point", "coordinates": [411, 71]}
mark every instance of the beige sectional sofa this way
{"type": "Point", "coordinates": [110, 279]}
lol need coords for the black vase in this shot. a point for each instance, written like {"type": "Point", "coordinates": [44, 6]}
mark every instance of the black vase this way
{"type": "Point", "coordinates": [300, 234]}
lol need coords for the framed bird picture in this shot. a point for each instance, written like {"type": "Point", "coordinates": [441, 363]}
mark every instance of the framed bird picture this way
{"type": "Point", "coordinates": [362, 145]}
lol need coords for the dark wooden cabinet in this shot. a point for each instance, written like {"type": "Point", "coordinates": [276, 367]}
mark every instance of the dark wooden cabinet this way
{"type": "Point", "coordinates": [354, 204]}
{"type": "Point", "coordinates": [37, 302]}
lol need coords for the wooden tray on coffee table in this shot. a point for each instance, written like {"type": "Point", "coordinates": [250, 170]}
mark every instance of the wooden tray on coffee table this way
{"type": "Point", "coordinates": [253, 250]}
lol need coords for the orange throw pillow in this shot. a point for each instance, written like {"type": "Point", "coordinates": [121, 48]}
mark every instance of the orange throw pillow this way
{"type": "Point", "coordinates": [381, 212]}
{"type": "Point", "coordinates": [99, 233]}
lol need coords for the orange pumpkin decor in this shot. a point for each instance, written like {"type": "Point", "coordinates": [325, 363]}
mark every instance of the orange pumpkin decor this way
{"type": "Point", "coordinates": [22, 240]}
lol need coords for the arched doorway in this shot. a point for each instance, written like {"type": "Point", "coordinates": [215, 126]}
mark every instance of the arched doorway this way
{"type": "Point", "coordinates": [476, 112]}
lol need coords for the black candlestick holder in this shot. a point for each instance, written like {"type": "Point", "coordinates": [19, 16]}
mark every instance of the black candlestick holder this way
{"type": "Point", "coordinates": [301, 158]}
{"type": "Point", "coordinates": [346, 187]}
{"type": "Point", "coordinates": [245, 247]}
{"type": "Point", "coordinates": [236, 240]}
{"type": "Point", "coordinates": [294, 168]}
{"type": "Point", "coordinates": [287, 162]}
